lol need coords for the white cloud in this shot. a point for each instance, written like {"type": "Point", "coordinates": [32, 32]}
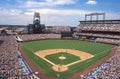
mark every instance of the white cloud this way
{"type": "Point", "coordinates": [48, 16]}
{"type": "Point", "coordinates": [91, 2]}
{"type": "Point", "coordinates": [59, 17]}
{"type": "Point", "coordinates": [16, 20]}
{"type": "Point", "coordinates": [13, 16]}
{"type": "Point", "coordinates": [32, 3]}
{"type": "Point", "coordinates": [63, 2]}
{"type": "Point", "coordinates": [58, 11]}
{"type": "Point", "coordinates": [113, 15]}
{"type": "Point", "coordinates": [10, 11]}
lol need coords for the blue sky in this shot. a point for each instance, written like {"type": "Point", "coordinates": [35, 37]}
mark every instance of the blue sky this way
{"type": "Point", "coordinates": [55, 12]}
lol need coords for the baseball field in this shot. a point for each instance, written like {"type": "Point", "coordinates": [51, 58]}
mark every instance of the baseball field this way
{"type": "Point", "coordinates": [60, 59]}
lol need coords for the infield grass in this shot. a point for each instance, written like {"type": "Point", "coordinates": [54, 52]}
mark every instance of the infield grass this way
{"type": "Point", "coordinates": [69, 58]}
{"type": "Point", "coordinates": [98, 50]}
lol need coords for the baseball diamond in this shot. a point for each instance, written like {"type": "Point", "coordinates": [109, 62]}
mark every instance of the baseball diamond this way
{"type": "Point", "coordinates": [64, 57]}
{"type": "Point", "coordinates": [81, 54]}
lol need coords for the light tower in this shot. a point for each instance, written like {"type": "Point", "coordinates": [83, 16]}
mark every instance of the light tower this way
{"type": "Point", "coordinates": [94, 14]}
{"type": "Point", "coordinates": [36, 18]}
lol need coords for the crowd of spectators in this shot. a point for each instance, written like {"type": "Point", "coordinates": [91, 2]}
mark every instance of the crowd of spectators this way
{"type": "Point", "coordinates": [100, 27]}
{"type": "Point", "coordinates": [108, 70]}
{"type": "Point", "coordinates": [39, 37]}
{"type": "Point", "coordinates": [100, 35]}
{"type": "Point", "coordinates": [105, 33]}
{"type": "Point", "coordinates": [59, 29]}
{"type": "Point", "coordinates": [105, 40]}
{"type": "Point", "coordinates": [10, 68]}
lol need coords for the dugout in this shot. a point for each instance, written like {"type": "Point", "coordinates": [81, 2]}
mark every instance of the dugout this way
{"type": "Point", "coordinates": [92, 38]}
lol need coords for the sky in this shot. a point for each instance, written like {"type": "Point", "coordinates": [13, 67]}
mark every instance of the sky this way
{"type": "Point", "coordinates": [55, 12]}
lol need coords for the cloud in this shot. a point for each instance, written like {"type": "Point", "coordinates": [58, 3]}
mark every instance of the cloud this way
{"type": "Point", "coordinates": [32, 3]}
{"type": "Point", "coordinates": [58, 11]}
{"type": "Point", "coordinates": [113, 15]}
{"type": "Point", "coordinates": [91, 2]}
{"type": "Point", "coordinates": [12, 12]}
{"type": "Point", "coordinates": [59, 17]}
{"type": "Point", "coordinates": [48, 16]}
{"type": "Point", "coordinates": [14, 17]}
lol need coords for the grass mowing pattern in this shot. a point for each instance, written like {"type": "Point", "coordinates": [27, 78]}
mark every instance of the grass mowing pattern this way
{"type": "Point", "coordinates": [69, 58]}
{"type": "Point", "coordinates": [99, 50]}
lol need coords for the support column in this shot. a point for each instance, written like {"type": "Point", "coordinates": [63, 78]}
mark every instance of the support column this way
{"type": "Point", "coordinates": [85, 17]}
{"type": "Point", "coordinates": [91, 17]}
{"type": "Point", "coordinates": [104, 16]}
{"type": "Point", "coordinates": [97, 17]}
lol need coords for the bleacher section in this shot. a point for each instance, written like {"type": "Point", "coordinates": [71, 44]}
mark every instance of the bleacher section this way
{"type": "Point", "coordinates": [100, 27]}
{"type": "Point", "coordinates": [112, 36]}
{"type": "Point", "coordinates": [12, 65]}
{"type": "Point", "coordinates": [59, 29]}
{"type": "Point", "coordinates": [109, 41]}
{"type": "Point", "coordinates": [31, 37]}
{"type": "Point", "coordinates": [106, 31]}
{"type": "Point", "coordinates": [110, 69]}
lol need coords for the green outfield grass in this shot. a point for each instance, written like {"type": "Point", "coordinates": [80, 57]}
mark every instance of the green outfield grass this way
{"type": "Point", "coordinates": [69, 58]}
{"type": "Point", "coordinates": [98, 50]}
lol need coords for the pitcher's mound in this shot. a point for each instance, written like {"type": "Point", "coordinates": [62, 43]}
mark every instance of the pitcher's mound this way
{"type": "Point", "coordinates": [60, 68]}
{"type": "Point", "coordinates": [62, 57]}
